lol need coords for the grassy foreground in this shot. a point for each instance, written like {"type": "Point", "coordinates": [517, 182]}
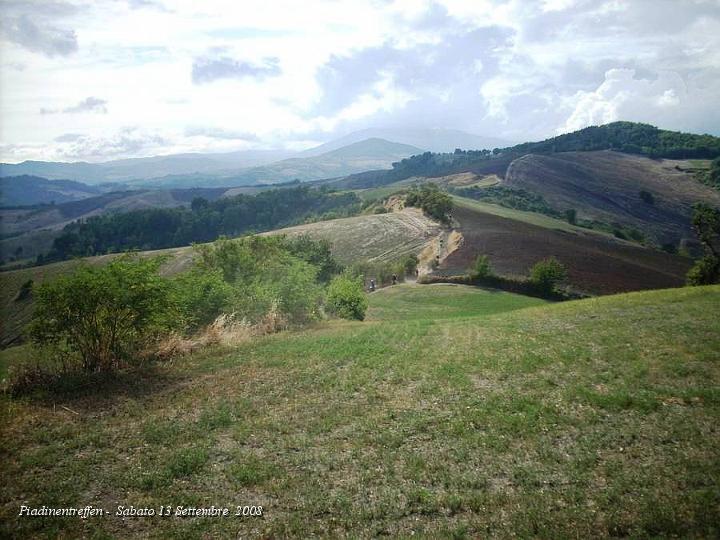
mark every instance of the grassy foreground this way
{"type": "Point", "coordinates": [465, 416]}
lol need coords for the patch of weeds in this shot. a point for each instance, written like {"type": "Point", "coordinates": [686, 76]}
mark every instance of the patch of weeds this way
{"type": "Point", "coordinates": [160, 431]}
{"type": "Point", "coordinates": [219, 417]}
{"type": "Point", "coordinates": [252, 471]}
{"type": "Point", "coordinates": [422, 501]}
{"type": "Point", "coordinates": [181, 463]}
{"type": "Point", "coordinates": [453, 503]}
{"type": "Point", "coordinates": [186, 462]}
{"type": "Point", "coordinates": [620, 399]}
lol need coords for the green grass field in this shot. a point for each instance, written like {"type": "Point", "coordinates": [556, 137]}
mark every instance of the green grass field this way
{"type": "Point", "coordinates": [442, 301]}
{"type": "Point", "coordinates": [450, 412]}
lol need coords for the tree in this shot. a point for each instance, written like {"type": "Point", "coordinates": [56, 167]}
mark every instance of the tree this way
{"type": "Point", "coordinates": [346, 297]}
{"type": "Point", "coordinates": [647, 197]}
{"type": "Point", "coordinates": [409, 265]}
{"type": "Point", "coordinates": [481, 267]}
{"type": "Point", "coordinates": [547, 274]}
{"type": "Point", "coordinates": [199, 203]}
{"type": "Point", "coordinates": [571, 216]}
{"type": "Point", "coordinates": [706, 223]}
{"type": "Point", "coordinates": [705, 271]}
{"type": "Point", "coordinates": [101, 315]}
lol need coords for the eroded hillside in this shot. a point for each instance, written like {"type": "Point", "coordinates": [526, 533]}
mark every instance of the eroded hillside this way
{"type": "Point", "coordinates": [606, 186]}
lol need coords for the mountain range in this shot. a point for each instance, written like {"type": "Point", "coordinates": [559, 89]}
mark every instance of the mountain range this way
{"type": "Point", "coordinates": [248, 166]}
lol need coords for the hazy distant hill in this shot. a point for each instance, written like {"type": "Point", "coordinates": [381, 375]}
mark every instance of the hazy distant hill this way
{"type": "Point", "coordinates": [227, 169]}
{"type": "Point", "coordinates": [353, 158]}
{"type": "Point", "coordinates": [150, 167]}
{"type": "Point", "coordinates": [28, 190]}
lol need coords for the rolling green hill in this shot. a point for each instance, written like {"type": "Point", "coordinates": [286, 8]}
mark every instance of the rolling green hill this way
{"type": "Point", "coordinates": [593, 418]}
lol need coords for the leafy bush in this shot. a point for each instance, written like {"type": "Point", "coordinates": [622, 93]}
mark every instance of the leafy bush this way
{"type": "Point", "coordinates": [481, 267]}
{"type": "Point", "coordinates": [315, 252]}
{"type": "Point", "coordinates": [547, 274]}
{"type": "Point", "coordinates": [409, 265]}
{"type": "Point", "coordinates": [346, 297]}
{"type": "Point", "coordinates": [706, 222]}
{"type": "Point", "coordinates": [292, 286]}
{"type": "Point", "coordinates": [265, 274]}
{"type": "Point", "coordinates": [647, 197]}
{"type": "Point", "coordinates": [102, 315]}
{"type": "Point", "coordinates": [201, 296]}
{"type": "Point", "coordinates": [705, 271]}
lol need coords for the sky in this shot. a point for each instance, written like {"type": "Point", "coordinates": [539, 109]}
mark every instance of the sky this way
{"type": "Point", "coordinates": [109, 79]}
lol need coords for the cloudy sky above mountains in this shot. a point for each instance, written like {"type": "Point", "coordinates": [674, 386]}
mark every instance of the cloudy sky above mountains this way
{"type": "Point", "coordinates": [97, 80]}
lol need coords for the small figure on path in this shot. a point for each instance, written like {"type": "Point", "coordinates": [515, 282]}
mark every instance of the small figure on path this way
{"type": "Point", "coordinates": [372, 285]}
{"type": "Point", "coordinates": [394, 278]}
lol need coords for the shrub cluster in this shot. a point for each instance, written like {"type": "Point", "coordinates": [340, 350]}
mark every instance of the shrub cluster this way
{"type": "Point", "coordinates": [547, 274]}
{"type": "Point", "coordinates": [544, 280]}
{"type": "Point", "coordinates": [346, 297]}
{"type": "Point", "coordinates": [104, 317]}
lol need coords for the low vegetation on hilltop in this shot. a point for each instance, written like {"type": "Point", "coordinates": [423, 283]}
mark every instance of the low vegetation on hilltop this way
{"type": "Point", "coordinates": [434, 202]}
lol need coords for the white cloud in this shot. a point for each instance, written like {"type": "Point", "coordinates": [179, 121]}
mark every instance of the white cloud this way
{"type": "Point", "coordinates": [279, 74]}
{"type": "Point", "coordinates": [624, 96]}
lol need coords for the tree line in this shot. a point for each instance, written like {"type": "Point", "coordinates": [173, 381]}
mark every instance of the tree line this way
{"type": "Point", "coordinates": [204, 221]}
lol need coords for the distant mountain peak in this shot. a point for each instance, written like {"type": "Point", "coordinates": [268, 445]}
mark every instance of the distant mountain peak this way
{"type": "Point", "coordinates": [427, 139]}
{"type": "Point", "coordinates": [375, 147]}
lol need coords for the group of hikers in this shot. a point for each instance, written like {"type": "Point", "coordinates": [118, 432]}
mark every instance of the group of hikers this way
{"type": "Point", "coordinates": [372, 285]}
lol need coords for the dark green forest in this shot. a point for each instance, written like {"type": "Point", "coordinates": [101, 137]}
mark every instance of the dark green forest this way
{"type": "Point", "coordinates": [203, 221]}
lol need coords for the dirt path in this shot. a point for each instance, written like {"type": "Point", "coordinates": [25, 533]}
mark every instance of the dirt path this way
{"type": "Point", "coordinates": [439, 248]}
